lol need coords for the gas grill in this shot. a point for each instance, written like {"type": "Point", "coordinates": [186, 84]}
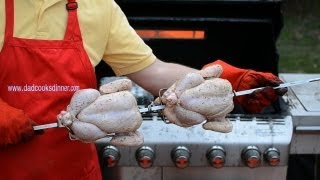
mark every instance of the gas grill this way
{"type": "Point", "coordinates": [261, 146]}
{"type": "Point", "coordinates": [258, 144]}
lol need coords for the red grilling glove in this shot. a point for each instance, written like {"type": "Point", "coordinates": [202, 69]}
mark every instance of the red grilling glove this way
{"type": "Point", "coordinates": [243, 79]}
{"type": "Point", "coordinates": [15, 127]}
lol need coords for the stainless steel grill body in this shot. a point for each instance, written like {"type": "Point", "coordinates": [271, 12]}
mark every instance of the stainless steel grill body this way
{"type": "Point", "coordinates": [262, 132]}
{"type": "Point", "coordinates": [163, 138]}
{"type": "Point", "coordinates": [304, 107]}
{"type": "Point", "coordinates": [296, 131]}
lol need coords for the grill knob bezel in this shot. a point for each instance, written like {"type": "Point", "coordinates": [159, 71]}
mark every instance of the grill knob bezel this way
{"type": "Point", "coordinates": [272, 156]}
{"type": "Point", "coordinates": [181, 153]}
{"type": "Point", "coordinates": [216, 153]}
{"type": "Point", "coordinates": [251, 153]}
{"type": "Point", "coordinates": [145, 153]}
{"type": "Point", "coordinates": [111, 152]}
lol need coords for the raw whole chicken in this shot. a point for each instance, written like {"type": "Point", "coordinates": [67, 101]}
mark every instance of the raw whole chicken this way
{"type": "Point", "coordinates": [94, 114]}
{"type": "Point", "coordinates": [200, 97]}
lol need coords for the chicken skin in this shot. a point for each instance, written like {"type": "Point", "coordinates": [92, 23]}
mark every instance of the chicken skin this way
{"type": "Point", "coordinates": [200, 97]}
{"type": "Point", "coordinates": [112, 110]}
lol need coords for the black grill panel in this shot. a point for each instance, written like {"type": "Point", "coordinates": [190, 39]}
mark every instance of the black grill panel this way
{"type": "Point", "coordinates": [242, 33]}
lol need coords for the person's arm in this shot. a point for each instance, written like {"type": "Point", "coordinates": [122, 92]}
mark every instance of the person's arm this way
{"type": "Point", "coordinates": [159, 75]}
{"type": "Point", "coordinates": [163, 75]}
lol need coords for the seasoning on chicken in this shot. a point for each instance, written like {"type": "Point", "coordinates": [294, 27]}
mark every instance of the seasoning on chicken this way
{"type": "Point", "coordinates": [92, 115]}
{"type": "Point", "coordinates": [200, 97]}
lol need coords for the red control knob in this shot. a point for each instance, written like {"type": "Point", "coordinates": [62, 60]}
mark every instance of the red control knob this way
{"type": "Point", "coordinates": [111, 156]}
{"type": "Point", "coordinates": [181, 156]}
{"type": "Point", "coordinates": [216, 156]}
{"type": "Point", "coordinates": [145, 156]}
{"type": "Point", "coordinates": [272, 156]}
{"type": "Point", "coordinates": [251, 156]}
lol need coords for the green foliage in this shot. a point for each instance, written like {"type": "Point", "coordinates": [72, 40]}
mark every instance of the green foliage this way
{"type": "Point", "coordinates": [299, 41]}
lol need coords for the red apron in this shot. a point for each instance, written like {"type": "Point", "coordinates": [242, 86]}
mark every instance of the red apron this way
{"type": "Point", "coordinates": [40, 76]}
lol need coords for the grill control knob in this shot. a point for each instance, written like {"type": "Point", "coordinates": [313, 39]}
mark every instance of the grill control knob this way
{"type": "Point", "coordinates": [145, 156]}
{"type": "Point", "coordinates": [272, 156]}
{"type": "Point", "coordinates": [181, 156]}
{"type": "Point", "coordinates": [251, 156]}
{"type": "Point", "coordinates": [216, 156]}
{"type": "Point", "coordinates": [111, 156]}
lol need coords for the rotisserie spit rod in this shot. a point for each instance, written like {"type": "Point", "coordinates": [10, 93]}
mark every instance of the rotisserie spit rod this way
{"type": "Point", "coordinates": [153, 108]}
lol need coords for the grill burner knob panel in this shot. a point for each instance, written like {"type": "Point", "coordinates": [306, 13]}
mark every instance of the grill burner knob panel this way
{"type": "Point", "coordinates": [145, 156]}
{"type": "Point", "coordinates": [272, 156]}
{"type": "Point", "coordinates": [111, 156]}
{"type": "Point", "coordinates": [181, 156]}
{"type": "Point", "coordinates": [251, 156]}
{"type": "Point", "coordinates": [216, 156]}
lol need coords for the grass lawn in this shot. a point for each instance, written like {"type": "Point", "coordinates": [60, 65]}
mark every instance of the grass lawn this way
{"type": "Point", "coordinates": [299, 42]}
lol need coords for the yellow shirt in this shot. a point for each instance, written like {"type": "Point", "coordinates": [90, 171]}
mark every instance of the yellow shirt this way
{"type": "Point", "coordinates": [105, 30]}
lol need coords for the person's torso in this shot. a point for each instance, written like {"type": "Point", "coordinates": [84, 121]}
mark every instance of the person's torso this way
{"type": "Point", "coordinates": [40, 76]}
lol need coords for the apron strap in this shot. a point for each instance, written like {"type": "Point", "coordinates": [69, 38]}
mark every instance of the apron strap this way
{"type": "Point", "coordinates": [73, 29]}
{"type": "Point", "coordinates": [9, 20]}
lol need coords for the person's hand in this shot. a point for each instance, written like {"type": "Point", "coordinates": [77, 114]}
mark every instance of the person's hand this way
{"type": "Point", "coordinates": [15, 126]}
{"type": "Point", "coordinates": [243, 79]}
{"type": "Point", "coordinates": [92, 115]}
{"type": "Point", "coordinates": [199, 97]}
